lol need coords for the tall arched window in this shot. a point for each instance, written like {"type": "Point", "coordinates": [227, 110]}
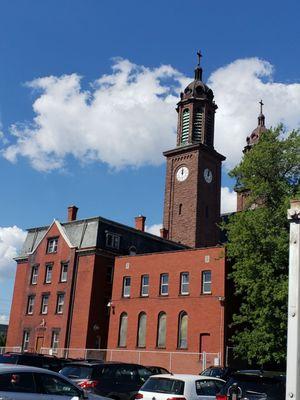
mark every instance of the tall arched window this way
{"type": "Point", "coordinates": [198, 125]}
{"type": "Point", "coordinates": [185, 126]}
{"type": "Point", "coordinates": [123, 330]}
{"type": "Point", "coordinates": [141, 342]}
{"type": "Point", "coordinates": [182, 330]}
{"type": "Point", "coordinates": [161, 329]}
{"type": "Point", "coordinates": [209, 128]}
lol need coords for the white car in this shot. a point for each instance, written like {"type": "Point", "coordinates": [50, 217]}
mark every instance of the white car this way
{"type": "Point", "coordinates": [19, 382]}
{"type": "Point", "coordinates": [180, 387]}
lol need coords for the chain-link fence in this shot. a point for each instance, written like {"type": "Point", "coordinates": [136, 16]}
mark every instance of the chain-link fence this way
{"type": "Point", "coordinates": [177, 362]}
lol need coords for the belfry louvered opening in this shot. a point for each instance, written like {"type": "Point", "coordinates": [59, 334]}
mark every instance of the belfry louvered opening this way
{"type": "Point", "coordinates": [198, 125]}
{"type": "Point", "coordinates": [185, 126]}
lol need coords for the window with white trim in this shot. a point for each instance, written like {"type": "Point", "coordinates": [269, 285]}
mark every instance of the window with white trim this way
{"type": "Point", "coordinates": [34, 274]}
{"type": "Point", "coordinates": [145, 286]}
{"type": "Point", "coordinates": [206, 282]}
{"type": "Point", "coordinates": [30, 304]}
{"type": "Point", "coordinates": [182, 330]}
{"type": "Point", "coordinates": [55, 341]}
{"type": "Point", "coordinates": [184, 283]}
{"type": "Point", "coordinates": [48, 273]}
{"type": "Point", "coordinates": [26, 337]}
{"type": "Point", "coordinates": [60, 303]}
{"type": "Point", "coordinates": [52, 245]}
{"type": "Point", "coordinates": [64, 272]}
{"type": "Point", "coordinates": [126, 286]}
{"type": "Point", "coordinates": [44, 305]}
{"type": "Point", "coordinates": [164, 284]}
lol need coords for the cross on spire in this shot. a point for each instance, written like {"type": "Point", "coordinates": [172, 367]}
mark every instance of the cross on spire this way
{"type": "Point", "coordinates": [261, 105]}
{"type": "Point", "coordinates": [199, 56]}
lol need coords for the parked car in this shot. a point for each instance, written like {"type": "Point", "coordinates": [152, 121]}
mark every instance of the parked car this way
{"type": "Point", "coordinates": [218, 372]}
{"type": "Point", "coordinates": [157, 370]}
{"type": "Point", "coordinates": [119, 381]}
{"type": "Point", "coordinates": [34, 360]}
{"type": "Point", "coordinates": [188, 387]}
{"type": "Point", "coordinates": [255, 385]}
{"type": "Point", "coordinates": [20, 382]}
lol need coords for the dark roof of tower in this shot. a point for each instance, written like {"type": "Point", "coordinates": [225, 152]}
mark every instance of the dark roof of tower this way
{"type": "Point", "coordinates": [197, 89]}
{"type": "Point", "coordinates": [257, 132]}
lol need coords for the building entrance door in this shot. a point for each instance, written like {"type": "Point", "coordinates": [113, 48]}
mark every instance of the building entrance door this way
{"type": "Point", "coordinates": [39, 343]}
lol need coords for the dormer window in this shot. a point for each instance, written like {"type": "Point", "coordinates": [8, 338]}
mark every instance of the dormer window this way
{"type": "Point", "coordinates": [52, 245]}
{"type": "Point", "coordinates": [112, 240]}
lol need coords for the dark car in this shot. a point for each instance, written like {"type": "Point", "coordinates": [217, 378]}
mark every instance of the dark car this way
{"type": "Point", "coordinates": [157, 370]}
{"type": "Point", "coordinates": [218, 372]}
{"type": "Point", "coordinates": [120, 381]}
{"type": "Point", "coordinates": [255, 385]}
{"type": "Point", "coordinates": [34, 360]}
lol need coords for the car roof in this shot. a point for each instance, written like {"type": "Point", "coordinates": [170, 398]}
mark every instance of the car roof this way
{"type": "Point", "coordinates": [187, 377]}
{"type": "Point", "coordinates": [22, 368]}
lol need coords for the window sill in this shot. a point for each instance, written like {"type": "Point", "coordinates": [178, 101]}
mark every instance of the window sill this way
{"type": "Point", "coordinates": [184, 294]}
{"type": "Point", "coordinates": [182, 349]}
{"type": "Point", "coordinates": [206, 294]}
{"type": "Point", "coordinates": [163, 295]}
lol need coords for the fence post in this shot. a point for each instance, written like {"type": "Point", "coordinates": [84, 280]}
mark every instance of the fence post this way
{"type": "Point", "coordinates": [170, 362]}
{"type": "Point", "coordinates": [203, 360]}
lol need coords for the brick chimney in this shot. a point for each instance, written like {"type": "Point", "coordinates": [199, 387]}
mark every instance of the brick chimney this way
{"type": "Point", "coordinates": [72, 213]}
{"type": "Point", "coordinates": [140, 223]}
{"type": "Point", "coordinates": [164, 233]}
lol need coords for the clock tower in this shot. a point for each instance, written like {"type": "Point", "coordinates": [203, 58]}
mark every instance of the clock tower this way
{"type": "Point", "coordinates": [193, 176]}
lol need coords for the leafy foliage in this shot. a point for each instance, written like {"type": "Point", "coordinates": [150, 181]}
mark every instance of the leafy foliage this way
{"type": "Point", "coordinates": [258, 246]}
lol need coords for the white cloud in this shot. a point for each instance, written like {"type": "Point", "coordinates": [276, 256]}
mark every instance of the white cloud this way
{"type": "Point", "coordinates": [3, 319]}
{"type": "Point", "coordinates": [228, 200]}
{"type": "Point", "coordinates": [11, 240]}
{"type": "Point", "coordinates": [127, 118]}
{"type": "Point", "coordinates": [154, 229]}
{"type": "Point", "coordinates": [238, 87]}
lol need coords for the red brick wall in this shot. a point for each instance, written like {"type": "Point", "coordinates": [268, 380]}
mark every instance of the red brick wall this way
{"type": "Point", "coordinates": [19, 320]}
{"type": "Point", "coordinates": [205, 312]}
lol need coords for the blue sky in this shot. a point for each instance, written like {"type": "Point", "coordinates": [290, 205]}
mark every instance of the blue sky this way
{"type": "Point", "coordinates": [68, 138]}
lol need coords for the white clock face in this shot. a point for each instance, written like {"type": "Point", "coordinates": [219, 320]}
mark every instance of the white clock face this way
{"type": "Point", "coordinates": [208, 176]}
{"type": "Point", "coordinates": [182, 173]}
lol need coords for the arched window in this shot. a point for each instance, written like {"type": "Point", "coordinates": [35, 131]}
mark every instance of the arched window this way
{"type": "Point", "coordinates": [141, 342]}
{"type": "Point", "coordinates": [185, 126]}
{"type": "Point", "coordinates": [161, 329]}
{"type": "Point", "coordinates": [198, 125]}
{"type": "Point", "coordinates": [123, 329]}
{"type": "Point", "coordinates": [182, 330]}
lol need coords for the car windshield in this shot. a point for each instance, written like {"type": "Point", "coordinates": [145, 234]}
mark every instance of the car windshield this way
{"type": "Point", "coordinates": [163, 385]}
{"type": "Point", "coordinates": [8, 359]}
{"type": "Point", "coordinates": [77, 371]}
{"type": "Point", "coordinates": [273, 388]}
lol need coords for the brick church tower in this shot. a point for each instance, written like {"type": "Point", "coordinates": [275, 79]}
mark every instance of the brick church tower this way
{"type": "Point", "coordinates": [193, 176]}
{"type": "Point", "coordinates": [242, 195]}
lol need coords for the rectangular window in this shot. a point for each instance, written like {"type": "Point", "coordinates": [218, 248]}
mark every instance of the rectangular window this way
{"type": "Point", "coordinates": [64, 272]}
{"type": "Point", "coordinates": [60, 303]}
{"type": "Point", "coordinates": [48, 273]}
{"type": "Point", "coordinates": [52, 245]}
{"type": "Point", "coordinates": [30, 304]}
{"type": "Point", "coordinates": [45, 302]}
{"type": "Point", "coordinates": [126, 286]}
{"type": "Point", "coordinates": [164, 284]}
{"type": "Point", "coordinates": [112, 240]}
{"type": "Point", "coordinates": [26, 336]}
{"type": "Point", "coordinates": [184, 283]}
{"type": "Point", "coordinates": [145, 285]}
{"type": "Point", "coordinates": [34, 275]}
{"type": "Point", "coordinates": [109, 273]}
{"type": "Point", "coordinates": [206, 282]}
{"type": "Point", "coordinates": [54, 341]}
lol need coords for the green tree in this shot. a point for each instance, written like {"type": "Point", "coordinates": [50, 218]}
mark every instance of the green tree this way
{"type": "Point", "coordinates": [258, 246]}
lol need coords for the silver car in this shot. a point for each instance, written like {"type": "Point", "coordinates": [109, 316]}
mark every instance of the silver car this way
{"type": "Point", "coordinates": [19, 382]}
